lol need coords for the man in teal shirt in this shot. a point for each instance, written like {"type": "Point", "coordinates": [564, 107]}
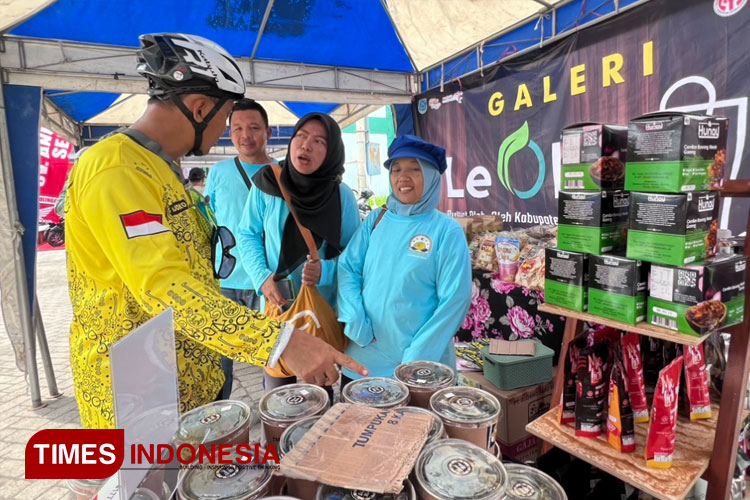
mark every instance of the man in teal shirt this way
{"type": "Point", "coordinates": [227, 191]}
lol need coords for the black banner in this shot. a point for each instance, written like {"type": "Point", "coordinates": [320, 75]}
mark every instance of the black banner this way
{"type": "Point", "coordinates": [502, 129]}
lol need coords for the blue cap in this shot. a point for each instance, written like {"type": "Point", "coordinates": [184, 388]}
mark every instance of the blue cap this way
{"type": "Point", "coordinates": [410, 146]}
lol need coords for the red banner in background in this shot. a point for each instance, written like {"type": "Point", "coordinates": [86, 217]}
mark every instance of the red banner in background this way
{"type": "Point", "coordinates": [54, 165]}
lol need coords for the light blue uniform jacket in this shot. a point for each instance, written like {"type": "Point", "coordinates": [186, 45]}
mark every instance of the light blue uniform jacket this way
{"type": "Point", "coordinates": [267, 214]}
{"type": "Point", "coordinates": [228, 194]}
{"type": "Point", "coordinates": [404, 289]}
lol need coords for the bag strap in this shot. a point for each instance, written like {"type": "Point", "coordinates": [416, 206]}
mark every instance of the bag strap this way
{"type": "Point", "coordinates": [378, 218]}
{"type": "Point", "coordinates": [306, 234]}
{"type": "Point", "coordinates": [243, 173]}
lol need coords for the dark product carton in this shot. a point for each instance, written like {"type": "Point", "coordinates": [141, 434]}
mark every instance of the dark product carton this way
{"type": "Point", "coordinates": [593, 156]}
{"type": "Point", "coordinates": [617, 288]}
{"type": "Point", "coordinates": [670, 152]}
{"type": "Point", "coordinates": [566, 279]}
{"type": "Point", "coordinates": [699, 298]}
{"type": "Point", "coordinates": [673, 229]}
{"type": "Point", "coordinates": [592, 221]}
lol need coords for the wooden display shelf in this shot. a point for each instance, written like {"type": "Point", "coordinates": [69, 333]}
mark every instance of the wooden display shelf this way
{"type": "Point", "coordinates": [693, 446]}
{"type": "Point", "coordinates": [640, 328]}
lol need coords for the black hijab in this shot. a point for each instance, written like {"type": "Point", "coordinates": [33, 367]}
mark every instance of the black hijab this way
{"type": "Point", "coordinates": [315, 198]}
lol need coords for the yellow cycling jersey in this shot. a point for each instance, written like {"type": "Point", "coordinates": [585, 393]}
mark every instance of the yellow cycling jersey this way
{"type": "Point", "coordinates": [136, 247]}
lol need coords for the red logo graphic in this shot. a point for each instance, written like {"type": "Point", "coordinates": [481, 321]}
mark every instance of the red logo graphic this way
{"type": "Point", "coordinates": [74, 453]}
{"type": "Point", "coordinates": [727, 8]}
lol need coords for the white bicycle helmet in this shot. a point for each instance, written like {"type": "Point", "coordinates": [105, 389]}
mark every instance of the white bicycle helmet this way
{"type": "Point", "coordinates": [177, 64]}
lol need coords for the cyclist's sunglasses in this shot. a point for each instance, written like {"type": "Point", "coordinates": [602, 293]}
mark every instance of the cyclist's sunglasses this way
{"type": "Point", "coordinates": [224, 239]}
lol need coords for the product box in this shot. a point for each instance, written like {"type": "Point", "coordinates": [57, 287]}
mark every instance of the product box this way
{"type": "Point", "coordinates": [617, 288]}
{"type": "Point", "coordinates": [593, 156]}
{"type": "Point", "coordinates": [566, 279]}
{"type": "Point", "coordinates": [520, 406]}
{"type": "Point", "coordinates": [525, 450]}
{"type": "Point", "coordinates": [670, 152]}
{"type": "Point", "coordinates": [592, 221]}
{"type": "Point", "coordinates": [673, 229]}
{"type": "Point", "coordinates": [698, 298]}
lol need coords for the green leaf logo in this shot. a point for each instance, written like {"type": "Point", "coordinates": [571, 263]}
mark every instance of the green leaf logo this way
{"type": "Point", "coordinates": [512, 144]}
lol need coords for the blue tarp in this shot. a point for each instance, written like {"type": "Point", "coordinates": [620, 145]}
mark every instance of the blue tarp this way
{"type": "Point", "coordinates": [305, 31]}
{"type": "Point", "coordinates": [81, 106]}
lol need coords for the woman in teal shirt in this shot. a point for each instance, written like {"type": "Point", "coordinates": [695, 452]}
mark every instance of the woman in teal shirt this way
{"type": "Point", "coordinates": [271, 247]}
{"type": "Point", "coordinates": [405, 277]}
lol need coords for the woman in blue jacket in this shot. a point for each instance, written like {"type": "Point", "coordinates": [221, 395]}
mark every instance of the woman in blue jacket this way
{"type": "Point", "coordinates": [272, 249]}
{"type": "Point", "coordinates": [405, 277]}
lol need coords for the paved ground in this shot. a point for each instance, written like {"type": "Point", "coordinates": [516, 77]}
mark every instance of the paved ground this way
{"type": "Point", "coordinates": [18, 422]}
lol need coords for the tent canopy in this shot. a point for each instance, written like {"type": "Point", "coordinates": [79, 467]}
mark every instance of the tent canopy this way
{"type": "Point", "coordinates": [334, 56]}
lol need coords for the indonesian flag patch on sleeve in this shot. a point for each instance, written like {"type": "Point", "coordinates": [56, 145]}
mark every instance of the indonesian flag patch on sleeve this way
{"type": "Point", "coordinates": [142, 223]}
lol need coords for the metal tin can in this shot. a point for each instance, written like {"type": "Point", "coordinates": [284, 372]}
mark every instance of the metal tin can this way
{"type": "Point", "coordinates": [326, 492]}
{"type": "Point", "coordinates": [299, 488]}
{"type": "Point", "coordinates": [227, 482]}
{"type": "Point", "coordinates": [452, 469]}
{"type": "Point", "coordinates": [378, 392]}
{"type": "Point", "coordinates": [468, 413]}
{"type": "Point", "coordinates": [528, 483]}
{"type": "Point", "coordinates": [220, 422]}
{"type": "Point", "coordinates": [424, 378]}
{"type": "Point", "coordinates": [287, 404]}
{"type": "Point", "coordinates": [437, 431]}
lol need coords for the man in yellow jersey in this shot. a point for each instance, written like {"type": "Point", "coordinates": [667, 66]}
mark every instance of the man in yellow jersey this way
{"type": "Point", "coordinates": [137, 245]}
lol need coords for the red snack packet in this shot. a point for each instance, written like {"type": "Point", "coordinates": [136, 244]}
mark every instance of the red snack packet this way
{"type": "Point", "coordinates": [620, 427]}
{"type": "Point", "coordinates": [567, 413]}
{"type": "Point", "coordinates": [592, 389]}
{"type": "Point", "coordinates": [662, 428]}
{"type": "Point", "coordinates": [696, 382]}
{"type": "Point", "coordinates": [631, 352]}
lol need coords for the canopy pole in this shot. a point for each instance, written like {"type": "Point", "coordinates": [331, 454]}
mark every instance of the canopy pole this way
{"type": "Point", "coordinates": [41, 337]}
{"type": "Point", "coordinates": [22, 293]}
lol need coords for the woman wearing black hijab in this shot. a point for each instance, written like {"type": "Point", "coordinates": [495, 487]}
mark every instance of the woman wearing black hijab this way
{"type": "Point", "coordinates": [271, 247]}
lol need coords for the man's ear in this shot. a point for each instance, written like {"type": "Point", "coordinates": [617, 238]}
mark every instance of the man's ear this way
{"type": "Point", "coordinates": [199, 105]}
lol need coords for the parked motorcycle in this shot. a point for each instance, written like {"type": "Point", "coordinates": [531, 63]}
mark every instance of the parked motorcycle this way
{"type": "Point", "coordinates": [364, 208]}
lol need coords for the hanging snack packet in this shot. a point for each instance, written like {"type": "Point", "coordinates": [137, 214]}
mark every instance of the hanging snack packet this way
{"type": "Point", "coordinates": [567, 413]}
{"type": "Point", "coordinates": [620, 427]}
{"type": "Point", "coordinates": [696, 382]}
{"type": "Point", "coordinates": [662, 428]}
{"type": "Point", "coordinates": [591, 389]}
{"type": "Point", "coordinates": [631, 352]}
{"type": "Point", "coordinates": [653, 361]}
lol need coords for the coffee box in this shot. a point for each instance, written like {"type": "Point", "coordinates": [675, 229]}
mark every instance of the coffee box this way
{"type": "Point", "coordinates": [673, 229]}
{"type": "Point", "coordinates": [593, 156]}
{"type": "Point", "coordinates": [671, 152]}
{"type": "Point", "coordinates": [699, 298]}
{"type": "Point", "coordinates": [592, 221]}
{"type": "Point", "coordinates": [566, 279]}
{"type": "Point", "coordinates": [617, 288]}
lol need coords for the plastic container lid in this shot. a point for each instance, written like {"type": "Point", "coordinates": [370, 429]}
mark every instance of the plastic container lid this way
{"type": "Point", "coordinates": [85, 486]}
{"type": "Point", "coordinates": [466, 405]}
{"type": "Point", "coordinates": [290, 403]}
{"type": "Point", "coordinates": [144, 494]}
{"type": "Point", "coordinates": [228, 482]}
{"type": "Point", "coordinates": [528, 483]}
{"type": "Point", "coordinates": [213, 421]}
{"type": "Point", "coordinates": [424, 374]}
{"type": "Point", "coordinates": [723, 234]}
{"type": "Point", "coordinates": [379, 392]}
{"type": "Point", "coordinates": [437, 429]}
{"type": "Point", "coordinates": [294, 433]}
{"type": "Point", "coordinates": [456, 469]}
{"type": "Point", "coordinates": [327, 492]}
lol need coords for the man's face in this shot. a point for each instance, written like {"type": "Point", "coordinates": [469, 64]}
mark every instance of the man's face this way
{"type": "Point", "coordinates": [249, 133]}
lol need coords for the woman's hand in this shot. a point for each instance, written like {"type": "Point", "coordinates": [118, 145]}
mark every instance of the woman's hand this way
{"type": "Point", "coordinates": [311, 272]}
{"type": "Point", "coordinates": [271, 291]}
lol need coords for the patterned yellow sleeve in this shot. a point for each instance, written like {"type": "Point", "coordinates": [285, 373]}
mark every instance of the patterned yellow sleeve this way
{"type": "Point", "coordinates": [151, 234]}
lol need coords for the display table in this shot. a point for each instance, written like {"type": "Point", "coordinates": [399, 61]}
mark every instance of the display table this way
{"type": "Point", "coordinates": [508, 311]}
